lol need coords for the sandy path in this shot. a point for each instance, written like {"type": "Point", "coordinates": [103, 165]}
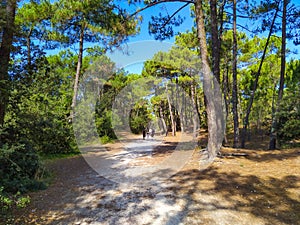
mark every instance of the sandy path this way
{"type": "Point", "coordinates": [134, 162]}
{"type": "Point", "coordinates": [261, 189]}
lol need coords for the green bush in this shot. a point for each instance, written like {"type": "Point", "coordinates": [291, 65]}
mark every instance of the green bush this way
{"type": "Point", "coordinates": [289, 118]}
{"type": "Point", "coordinates": [19, 168]}
{"type": "Point", "coordinates": [8, 202]}
{"type": "Point", "coordinates": [20, 172]}
{"type": "Point", "coordinates": [105, 139]}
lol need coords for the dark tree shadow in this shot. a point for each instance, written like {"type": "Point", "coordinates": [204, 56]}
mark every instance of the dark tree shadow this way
{"type": "Point", "coordinates": [80, 194]}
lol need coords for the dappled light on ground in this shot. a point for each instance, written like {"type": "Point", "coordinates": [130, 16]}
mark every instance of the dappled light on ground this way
{"type": "Point", "coordinates": [257, 187]}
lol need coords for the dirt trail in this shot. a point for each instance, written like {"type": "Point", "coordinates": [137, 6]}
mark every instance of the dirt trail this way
{"type": "Point", "coordinates": [135, 161]}
{"type": "Point", "coordinates": [261, 188]}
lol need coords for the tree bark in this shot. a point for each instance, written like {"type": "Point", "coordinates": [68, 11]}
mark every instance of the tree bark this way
{"type": "Point", "coordinates": [273, 135]}
{"type": "Point", "coordinates": [246, 118]}
{"type": "Point", "coordinates": [78, 70]}
{"type": "Point", "coordinates": [215, 40]}
{"type": "Point", "coordinates": [212, 92]}
{"type": "Point", "coordinates": [163, 122]}
{"type": "Point", "coordinates": [226, 91]}
{"type": "Point", "coordinates": [5, 49]}
{"type": "Point", "coordinates": [171, 112]}
{"type": "Point", "coordinates": [234, 82]}
{"type": "Point", "coordinates": [196, 113]}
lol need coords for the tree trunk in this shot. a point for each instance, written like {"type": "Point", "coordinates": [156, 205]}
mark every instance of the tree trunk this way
{"type": "Point", "coordinates": [163, 122]}
{"type": "Point", "coordinates": [5, 49]}
{"type": "Point", "coordinates": [225, 83]}
{"type": "Point", "coordinates": [78, 70]}
{"type": "Point", "coordinates": [234, 82]}
{"type": "Point", "coordinates": [28, 44]}
{"type": "Point", "coordinates": [181, 107]}
{"type": "Point", "coordinates": [246, 118]}
{"type": "Point", "coordinates": [196, 114]}
{"type": "Point", "coordinates": [212, 92]}
{"type": "Point", "coordinates": [273, 135]}
{"type": "Point", "coordinates": [215, 40]}
{"type": "Point", "coordinates": [170, 111]}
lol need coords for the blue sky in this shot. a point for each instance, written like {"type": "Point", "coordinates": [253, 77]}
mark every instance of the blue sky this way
{"type": "Point", "coordinates": [164, 8]}
{"type": "Point", "coordinates": [186, 26]}
{"type": "Point", "coordinates": [143, 46]}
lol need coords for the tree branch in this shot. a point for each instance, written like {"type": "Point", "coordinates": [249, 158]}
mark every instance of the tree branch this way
{"type": "Point", "coordinates": [157, 3]}
{"type": "Point", "coordinates": [245, 28]}
{"type": "Point", "coordinates": [177, 11]}
{"type": "Point", "coordinates": [239, 16]}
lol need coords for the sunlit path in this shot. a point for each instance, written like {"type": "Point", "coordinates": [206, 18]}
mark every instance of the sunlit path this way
{"type": "Point", "coordinates": [134, 161]}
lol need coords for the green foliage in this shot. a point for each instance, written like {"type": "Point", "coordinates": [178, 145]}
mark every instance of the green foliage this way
{"type": "Point", "coordinates": [19, 168]}
{"type": "Point", "coordinates": [139, 117]}
{"type": "Point", "coordinates": [8, 202]}
{"type": "Point", "coordinates": [289, 118]}
{"type": "Point", "coordinates": [289, 114]}
{"type": "Point", "coordinates": [102, 21]}
{"type": "Point", "coordinates": [39, 104]}
{"type": "Point", "coordinates": [105, 139]}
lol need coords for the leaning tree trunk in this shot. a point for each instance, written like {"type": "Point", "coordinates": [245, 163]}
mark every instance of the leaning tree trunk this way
{"type": "Point", "coordinates": [246, 118]}
{"type": "Point", "coordinates": [5, 49]}
{"type": "Point", "coordinates": [273, 135]}
{"type": "Point", "coordinates": [78, 70]}
{"type": "Point", "coordinates": [213, 95]}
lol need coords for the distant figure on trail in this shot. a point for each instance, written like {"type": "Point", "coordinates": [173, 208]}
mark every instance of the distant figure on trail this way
{"type": "Point", "coordinates": [152, 132]}
{"type": "Point", "coordinates": [167, 132]}
{"type": "Point", "coordinates": [148, 133]}
{"type": "Point", "coordinates": [144, 133]}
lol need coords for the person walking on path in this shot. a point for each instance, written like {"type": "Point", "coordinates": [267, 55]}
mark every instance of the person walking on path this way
{"type": "Point", "coordinates": [144, 133]}
{"type": "Point", "coordinates": [152, 133]}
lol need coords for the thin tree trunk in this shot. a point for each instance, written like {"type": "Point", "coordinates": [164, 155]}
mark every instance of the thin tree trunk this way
{"type": "Point", "coordinates": [212, 92]}
{"type": "Point", "coordinates": [246, 118]}
{"type": "Point", "coordinates": [234, 82]}
{"type": "Point", "coordinates": [5, 49]}
{"type": "Point", "coordinates": [174, 115]}
{"type": "Point", "coordinates": [196, 103]}
{"type": "Point", "coordinates": [195, 115]}
{"type": "Point", "coordinates": [226, 93]}
{"type": "Point", "coordinates": [161, 115]}
{"type": "Point", "coordinates": [28, 40]}
{"type": "Point", "coordinates": [170, 111]}
{"type": "Point", "coordinates": [273, 135]}
{"type": "Point", "coordinates": [182, 113]}
{"type": "Point", "coordinates": [78, 70]}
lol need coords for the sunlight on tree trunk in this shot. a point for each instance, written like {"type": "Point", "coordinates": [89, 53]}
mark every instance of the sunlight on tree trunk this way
{"type": "Point", "coordinates": [215, 123]}
{"type": "Point", "coordinates": [78, 70]}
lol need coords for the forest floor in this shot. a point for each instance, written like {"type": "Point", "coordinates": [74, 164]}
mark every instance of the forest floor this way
{"type": "Point", "coordinates": [239, 187]}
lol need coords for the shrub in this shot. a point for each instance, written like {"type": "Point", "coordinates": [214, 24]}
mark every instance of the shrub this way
{"type": "Point", "coordinates": [19, 168]}
{"type": "Point", "coordinates": [289, 118]}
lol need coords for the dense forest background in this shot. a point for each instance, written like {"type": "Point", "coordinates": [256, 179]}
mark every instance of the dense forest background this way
{"type": "Point", "coordinates": [258, 75]}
